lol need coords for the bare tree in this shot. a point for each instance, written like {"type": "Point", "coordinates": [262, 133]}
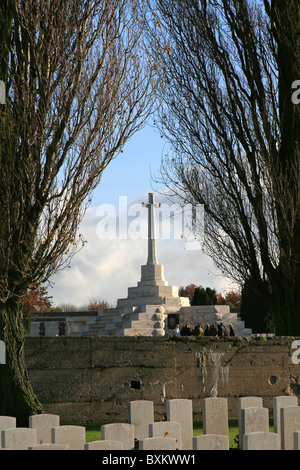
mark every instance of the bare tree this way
{"type": "Point", "coordinates": [98, 304]}
{"type": "Point", "coordinates": [78, 86]}
{"type": "Point", "coordinates": [234, 136]}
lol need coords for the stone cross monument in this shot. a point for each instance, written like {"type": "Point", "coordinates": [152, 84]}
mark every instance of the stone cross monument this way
{"type": "Point", "coordinates": [152, 256]}
{"type": "Point", "coordinates": [152, 291]}
{"type": "Point", "coordinates": [152, 307]}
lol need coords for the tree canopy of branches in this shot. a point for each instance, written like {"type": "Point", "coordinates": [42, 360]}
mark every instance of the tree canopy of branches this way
{"type": "Point", "coordinates": [97, 304]}
{"type": "Point", "coordinates": [200, 296]}
{"type": "Point", "coordinates": [204, 296]}
{"type": "Point", "coordinates": [234, 131]}
{"type": "Point", "coordinates": [187, 291]}
{"type": "Point", "coordinates": [231, 298]}
{"type": "Point", "coordinates": [36, 301]}
{"type": "Point", "coordinates": [78, 85]}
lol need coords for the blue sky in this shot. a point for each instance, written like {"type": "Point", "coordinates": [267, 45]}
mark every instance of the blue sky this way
{"type": "Point", "coordinates": [130, 173]}
{"type": "Point", "coordinates": [105, 268]}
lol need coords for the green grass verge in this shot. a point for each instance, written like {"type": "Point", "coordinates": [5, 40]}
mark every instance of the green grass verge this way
{"type": "Point", "coordinates": [93, 432]}
{"type": "Point", "coordinates": [233, 431]}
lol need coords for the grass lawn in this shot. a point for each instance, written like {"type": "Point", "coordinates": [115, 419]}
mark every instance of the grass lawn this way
{"type": "Point", "coordinates": [93, 431]}
{"type": "Point", "coordinates": [233, 429]}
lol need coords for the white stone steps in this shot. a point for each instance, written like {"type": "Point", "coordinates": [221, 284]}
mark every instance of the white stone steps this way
{"type": "Point", "coordinates": [144, 332]}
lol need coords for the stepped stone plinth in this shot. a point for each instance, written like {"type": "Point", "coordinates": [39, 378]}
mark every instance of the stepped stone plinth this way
{"type": "Point", "coordinates": [153, 289]}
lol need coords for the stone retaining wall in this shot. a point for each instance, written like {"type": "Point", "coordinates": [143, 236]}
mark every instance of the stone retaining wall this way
{"type": "Point", "coordinates": [92, 379]}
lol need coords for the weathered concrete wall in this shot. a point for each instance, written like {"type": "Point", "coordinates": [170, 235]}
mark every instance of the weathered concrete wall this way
{"type": "Point", "coordinates": [91, 379]}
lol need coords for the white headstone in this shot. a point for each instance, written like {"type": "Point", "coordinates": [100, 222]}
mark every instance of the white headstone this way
{"type": "Point", "coordinates": [158, 443]}
{"type": "Point", "coordinates": [43, 423]}
{"type": "Point", "coordinates": [18, 438]}
{"type": "Point", "coordinates": [246, 402]}
{"type": "Point", "coordinates": [255, 419]}
{"type": "Point", "coordinates": [261, 441]}
{"type": "Point", "coordinates": [290, 422]}
{"type": "Point", "coordinates": [211, 442]}
{"type": "Point", "coordinates": [166, 429]}
{"type": "Point", "coordinates": [72, 436]}
{"type": "Point", "coordinates": [104, 445]}
{"type": "Point", "coordinates": [7, 422]}
{"type": "Point", "coordinates": [181, 411]}
{"type": "Point", "coordinates": [140, 414]}
{"type": "Point", "coordinates": [123, 432]}
{"type": "Point", "coordinates": [215, 416]}
{"type": "Point", "coordinates": [278, 403]}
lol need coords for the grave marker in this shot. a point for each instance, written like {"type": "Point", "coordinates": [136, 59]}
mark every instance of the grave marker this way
{"type": "Point", "coordinates": [166, 429]}
{"type": "Point", "coordinates": [211, 442]}
{"type": "Point", "coordinates": [43, 423]}
{"type": "Point", "coordinates": [104, 445]}
{"type": "Point", "coordinates": [246, 402]}
{"type": "Point", "coordinates": [278, 403]}
{"type": "Point", "coordinates": [140, 414]}
{"type": "Point", "coordinates": [72, 436]}
{"type": "Point", "coordinates": [123, 432]}
{"type": "Point", "coordinates": [18, 438]}
{"type": "Point", "coordinates": [158, 443]}
{"type": "Point", "coordinates": [261, 441]}
{"type": "Point", "coordinates": [290, 422]}
{"type": "Point", "coordinates": [7, 422]}
{"type": "Point", "coordinates": [181, 411]}
{"type": "Point", "coordinates": [215, 416]}
{"type": "Point", "coordinates": [254, 419]}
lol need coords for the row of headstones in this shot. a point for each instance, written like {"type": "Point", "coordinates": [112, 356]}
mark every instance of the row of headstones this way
{"type": "Point", "coordinates": [142, 432]}
{"type": "Point", "coordinates": [254, 424]}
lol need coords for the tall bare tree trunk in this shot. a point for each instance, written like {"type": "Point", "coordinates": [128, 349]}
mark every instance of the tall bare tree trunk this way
{"type": "Point", "coordinates": [16, 394]}
{"type": "Point", "coordinates": [286, 302]}
{"type": "Point", "coordinates": [78, 86]}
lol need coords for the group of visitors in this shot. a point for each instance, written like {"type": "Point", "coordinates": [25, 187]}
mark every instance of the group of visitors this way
{"type": "Point", "coordinates": [210, 329]}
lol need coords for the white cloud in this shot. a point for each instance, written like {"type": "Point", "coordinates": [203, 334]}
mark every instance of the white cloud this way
{"type": "Point", "coordinates": [103, 268]}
